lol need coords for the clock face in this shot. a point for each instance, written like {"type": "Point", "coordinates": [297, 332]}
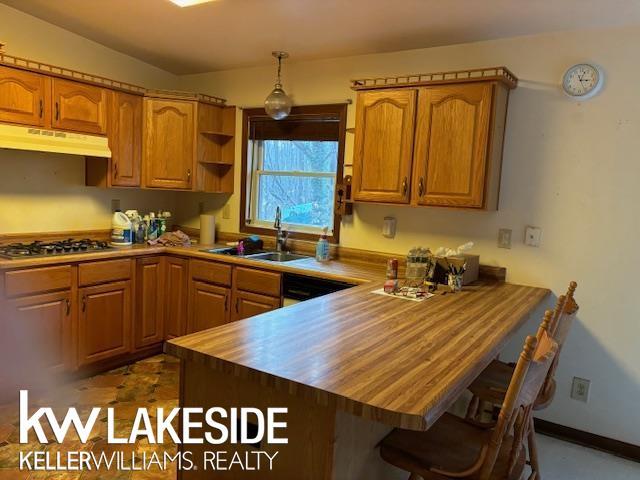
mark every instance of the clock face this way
{"type": "Point", "coordinates": [582, 81]}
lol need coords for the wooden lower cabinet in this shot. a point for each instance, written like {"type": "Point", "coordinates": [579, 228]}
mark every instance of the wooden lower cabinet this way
{"type": "Point", "coordinates": [104, 322]}
{"type": "Point", "coordinates": [42, 323]}
{"type": "Point", "coordinates": [150, 299]}
{"type": "Point", "coordinates": [177, 287]}
{"type": "Point", "coordinates": [246, 304]}
{"type": "Point", "coordinates": [208, 306]}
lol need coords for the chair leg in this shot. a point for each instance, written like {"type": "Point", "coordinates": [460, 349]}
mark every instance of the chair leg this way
{"type": "Point", "coordinates": [533, 451]}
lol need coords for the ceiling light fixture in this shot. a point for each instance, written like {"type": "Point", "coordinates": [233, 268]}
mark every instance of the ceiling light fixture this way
{"type": "Point", "coordinates": [189, 3]}
{"type": "Point", "coordinates": [278, 104]}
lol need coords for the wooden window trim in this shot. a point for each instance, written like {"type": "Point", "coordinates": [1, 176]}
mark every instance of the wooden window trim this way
{"type": "Point", "coordinates": [250, 113]}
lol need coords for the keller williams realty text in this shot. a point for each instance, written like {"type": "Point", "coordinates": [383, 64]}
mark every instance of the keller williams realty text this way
{"type": "Point", "coordinates": [214, 426]}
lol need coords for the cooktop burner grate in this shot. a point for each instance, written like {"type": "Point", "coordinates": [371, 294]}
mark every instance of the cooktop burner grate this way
{"type": "Point", "coordinates": [43, 249]}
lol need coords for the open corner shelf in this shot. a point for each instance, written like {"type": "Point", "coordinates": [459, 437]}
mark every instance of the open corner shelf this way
{"type": "Point", "coordinates": [217, 136]}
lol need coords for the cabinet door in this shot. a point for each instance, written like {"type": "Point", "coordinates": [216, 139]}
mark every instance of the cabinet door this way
{"type": "Point", "coordinates": [125, 139]}
{"type": "Point", "coordinates": [451, 145]}
{"type": "Point", "coordinates": [385, 122]}
{"type": "Point", "coordinates": [42, 324]}
{"type": "Point", "coordinates": [79, 107]}
{"type": "Point", "coordinates": [24, 97]}
{"type": "Point", "coordinates": [208, 307]}
{"type": "Point", "coordinates": [247, 304]}
{"type": "Point", "coordinates": [104, 329]}
{"type": "Point", "coordinates": [168, 144]}
{"type": "Point", "coordinates": [150, 299]}
{"type": "Point", "coordinates": [176, 297]}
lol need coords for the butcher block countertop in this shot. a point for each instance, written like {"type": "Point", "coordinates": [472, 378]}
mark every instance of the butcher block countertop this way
{"type": "Point", "coordinates": [386, 359]}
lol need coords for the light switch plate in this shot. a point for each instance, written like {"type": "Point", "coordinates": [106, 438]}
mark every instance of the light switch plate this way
{"type": "Point", "coordinates": [389, 227]}
{"type": "Point", "coordinates": [504, 238]}
{"type": "Point", "coordinates": [533, 236]}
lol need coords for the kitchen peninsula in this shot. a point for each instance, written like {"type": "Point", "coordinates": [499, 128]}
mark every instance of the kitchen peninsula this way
{"type": "Point", "coordinates": [350, 366]}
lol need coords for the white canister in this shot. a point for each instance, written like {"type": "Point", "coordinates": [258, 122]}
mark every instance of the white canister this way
{"type": "Point", "coordinates": [121, 232]}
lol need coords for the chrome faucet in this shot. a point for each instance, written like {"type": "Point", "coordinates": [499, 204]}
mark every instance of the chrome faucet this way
{"type": "Point", "coordinates": [281, 235]}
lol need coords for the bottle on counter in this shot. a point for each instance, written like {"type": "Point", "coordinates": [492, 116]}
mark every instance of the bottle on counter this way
{"type": "Point", "coordinates": [322, 247]}
{"type": "Point", "coordinates": [121, 234]}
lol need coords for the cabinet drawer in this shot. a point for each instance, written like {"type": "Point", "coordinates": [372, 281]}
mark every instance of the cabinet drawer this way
{"type": "Point", "coordinates": [37, 280]}
{"type": "Point", "coordinates": [258, 281]}
{"type": "Point", "coordinates": [106, 271]}
{"type": "Point", "coordinates": [211, 272]}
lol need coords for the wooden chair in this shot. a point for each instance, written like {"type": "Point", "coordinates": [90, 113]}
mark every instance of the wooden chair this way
{"type": "Point", "coordinates": [461, 449]}
{"type": "Point", "coordinates": [491, 385]}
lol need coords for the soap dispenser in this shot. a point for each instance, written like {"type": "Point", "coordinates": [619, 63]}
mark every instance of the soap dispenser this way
{"type": "Point", "coordinates": [322, 247]}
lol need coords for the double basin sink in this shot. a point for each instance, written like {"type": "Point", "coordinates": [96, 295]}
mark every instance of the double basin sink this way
{"type": "Point", "coordinates": [262, 255]}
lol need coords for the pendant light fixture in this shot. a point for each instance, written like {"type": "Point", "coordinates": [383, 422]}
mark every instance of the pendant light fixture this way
{"type": "Point", "coordinates": [278, 104]}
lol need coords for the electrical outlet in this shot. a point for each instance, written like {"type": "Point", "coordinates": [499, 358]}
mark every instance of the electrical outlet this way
{"type": "Point", "coordinates": [201, 208]}
{"type": "Point", "coordinates": [532, 236]}
{"type": "Point", "coordinates": [580, 389]}
{"type": "Point", "coordinates": [115, 204]}
{"type": "Point", "coordinates": [226, 211]}
{"type": "Point", "coordinates": [504, 238]}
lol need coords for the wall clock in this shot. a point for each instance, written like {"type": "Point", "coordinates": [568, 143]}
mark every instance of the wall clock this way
{"type": "Point", "coordinates": [582, 81]}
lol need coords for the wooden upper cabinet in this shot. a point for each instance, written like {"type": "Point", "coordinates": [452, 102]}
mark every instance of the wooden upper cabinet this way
{"type": "Point", "coordinates": [452, 136]}
{"type": "Point", "coordinates": [79, 107]}
{"type": "Point", "coordinates": [125, 139]}
{"type": "Point", "coordinates": [169, 142]}
{"type": "Point", "coordinates": [24, 97]}
{"type": "Point", "coordinates": [385, 124]}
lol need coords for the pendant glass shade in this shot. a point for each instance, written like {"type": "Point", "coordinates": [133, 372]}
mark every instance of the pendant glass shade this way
{"type": "Point", "coordinates": [278, 104]}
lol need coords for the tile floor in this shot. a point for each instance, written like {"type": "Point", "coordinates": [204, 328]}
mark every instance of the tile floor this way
{"type": "Point", "coordinates": [153, 383]}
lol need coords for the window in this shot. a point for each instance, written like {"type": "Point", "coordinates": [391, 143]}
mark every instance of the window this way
{"type": "Point", "coordinates": [293, 164]}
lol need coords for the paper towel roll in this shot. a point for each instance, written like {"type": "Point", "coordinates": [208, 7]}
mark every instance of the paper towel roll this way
{"type": "Point", "coordinates": [207, 229]}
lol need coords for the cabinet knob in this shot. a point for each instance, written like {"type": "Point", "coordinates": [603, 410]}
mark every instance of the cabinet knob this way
{"type": "Point", "coordinates": [115, 169]}
{"type": "Point", "coordinates": [84, 303]}
{"type": "Point", "coordinates": [41, 108]}
{"type": "Point", "coordinates": [238, 305]}
{"type": "Point", "coordinates": [405, 186]}
{"type": "Point", "coordinates": [189, 175]}
{"type": "Point", "coordinates": [421, 187]}
{"type": "Point", "coordinates": [68, 302]}
{"type": "Point", "coordinates": [57, 111]}
{"type": "Point", "coordinates": [226, 303]}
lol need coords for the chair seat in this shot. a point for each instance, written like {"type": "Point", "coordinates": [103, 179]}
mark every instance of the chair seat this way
{"type": "Point", "coordinates": [492, 384]}
{"type": "Point", "coordinates": [451, 445]}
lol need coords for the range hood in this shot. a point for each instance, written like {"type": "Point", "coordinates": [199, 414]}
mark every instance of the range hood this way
{"type": "Point", "coordinates": [53, 141]}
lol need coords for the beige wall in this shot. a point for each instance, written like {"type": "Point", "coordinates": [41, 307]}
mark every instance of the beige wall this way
{"type": "Point", "coordinates": [570, 168]}
{"type": "Point", "coordinates": [46, 192]}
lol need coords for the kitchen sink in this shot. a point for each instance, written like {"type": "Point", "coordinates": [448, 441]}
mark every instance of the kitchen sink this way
{"type": "Point", "coordinates": [277, 256]}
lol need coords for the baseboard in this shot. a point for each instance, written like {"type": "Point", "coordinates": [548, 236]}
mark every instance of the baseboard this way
{"type": "Point", "coordinates": [586, 439]}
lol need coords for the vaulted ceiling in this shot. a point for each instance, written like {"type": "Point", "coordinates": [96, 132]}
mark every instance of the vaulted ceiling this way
{"type": "Point", "coordinates": [224, 34]}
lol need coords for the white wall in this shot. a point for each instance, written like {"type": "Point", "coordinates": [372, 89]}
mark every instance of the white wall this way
{"type": "Point", "coordinates": [46, 192]}
{"type": "Point", "coordinates": [570, 168]}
